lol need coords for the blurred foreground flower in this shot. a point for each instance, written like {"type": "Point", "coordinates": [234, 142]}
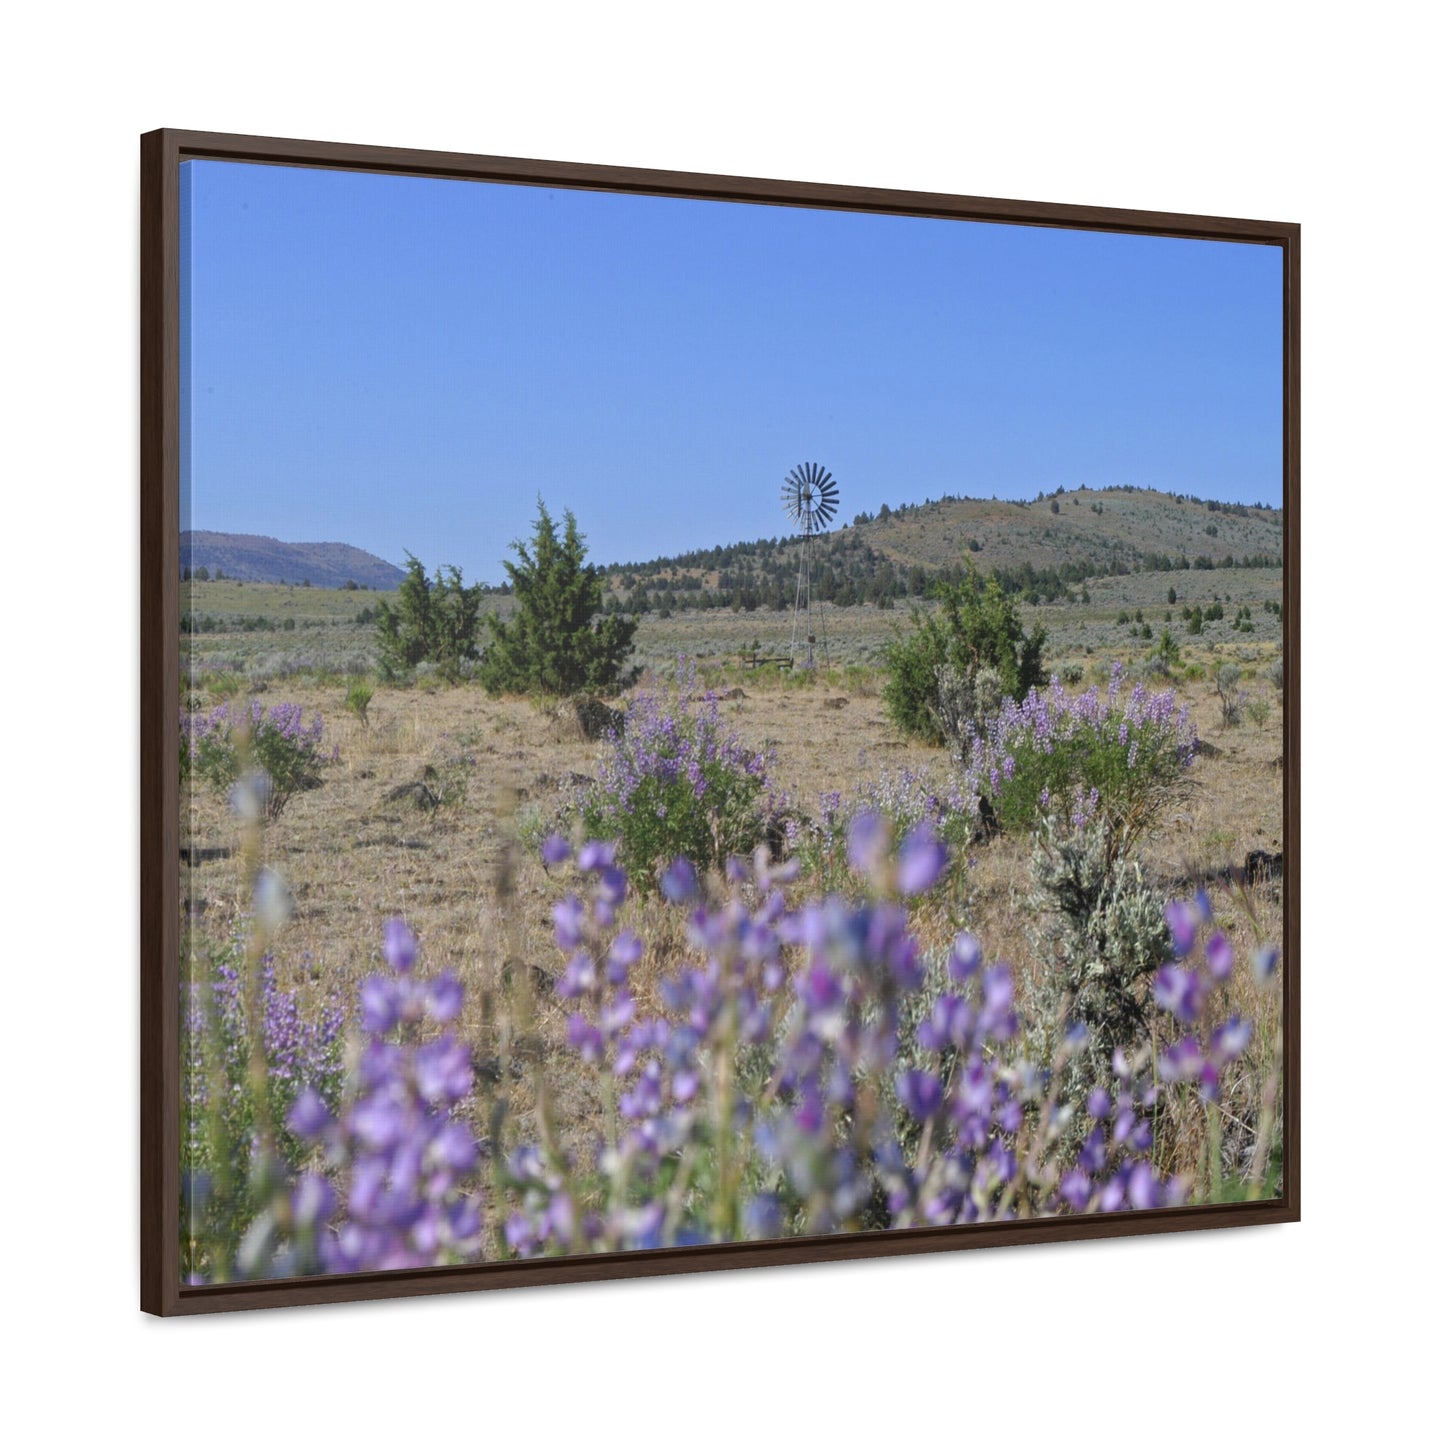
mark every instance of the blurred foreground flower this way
{"type": "Point", "coordinates": [810, 1070]}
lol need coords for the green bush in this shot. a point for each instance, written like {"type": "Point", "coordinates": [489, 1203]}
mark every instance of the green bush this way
{"type": "Point", "coordinates": [225, 685]}
{"type": "Point", "coordinates": [358, 699]}
{"type": "Point", "coordinates": [556, 643]}
{"type": "Point", "coordinates": [236, 741]}
{"type": "Point", "coordinates": [676, 783]}
{"type": "Point", "coordinates": [432, 621]}
{"type": "Point", "coordinates": [1226, 689]}
{"type": "Point", "coordinates": [976, 626]}
{"type": "Point", "coordinates": [1119, 761]}
{"type": "Point", "coordinates": [1166, 650]}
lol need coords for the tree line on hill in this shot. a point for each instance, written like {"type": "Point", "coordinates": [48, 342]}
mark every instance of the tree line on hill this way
{"type": "Point", "coordinates": [851, 575]}
{"type": "Point", "coordinates": [848, 571]}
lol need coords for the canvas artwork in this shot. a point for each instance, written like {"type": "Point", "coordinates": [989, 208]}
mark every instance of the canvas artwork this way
{"type": "Point", "coordinates": [705, 722]}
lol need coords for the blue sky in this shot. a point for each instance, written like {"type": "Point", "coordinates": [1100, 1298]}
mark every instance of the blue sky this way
{"type": "Point", "coordinates": [407, 364]}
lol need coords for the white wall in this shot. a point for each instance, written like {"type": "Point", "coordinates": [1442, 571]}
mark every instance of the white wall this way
{"type": "Point", "coordinates": [1235, 109]}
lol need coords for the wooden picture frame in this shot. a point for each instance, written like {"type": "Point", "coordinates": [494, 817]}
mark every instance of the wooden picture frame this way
{"type": "Point", "coordinates": [163, 152]}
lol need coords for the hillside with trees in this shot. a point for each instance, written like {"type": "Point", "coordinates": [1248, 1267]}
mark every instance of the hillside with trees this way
{"type": "Point", "coordinates": [1041, 551]}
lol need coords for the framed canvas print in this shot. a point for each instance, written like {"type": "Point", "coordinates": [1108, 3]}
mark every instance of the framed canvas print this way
{"type": "Point", "coordinates": [692, 722]}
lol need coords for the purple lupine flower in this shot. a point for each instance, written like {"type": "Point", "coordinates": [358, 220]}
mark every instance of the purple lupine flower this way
{"type": "Point", "coordinates": [1182, 1060]}
{"type": "Point", "coordinates": [1076, 1189]}
{"type": "Point", "coordinates": [1266, 961]}
{"type": "Point", "coordinates": [594, 857]}
{"type": "Point", "coordinates": [679, 882]}
{"type": "Point", "coordinates": [444, 997]}
{"type": "Point", "coordinates": [1144, 1189]}
{"type": "Point", "coordinates": [406, 1155]}
{"type": "Point", "coordinates": [920, 1093]}
{"type": "Point", "coordinates": [921, 861]}
{"type": "Point", "coordinates": [380, 1121]}
{"type": "Point", "coordinates": [398, 946]}
{"type": "Point", "coordinates": [379, 1011]}
{"type": "Point", "coordinates": [617, 1014]}
{"type": "Point", "coordinates": [964, 960]}
{"type": "Point", "coordinates": [948, 1024]}
{"type": "Point", "coordinates": [1219, 956]}
{"type": "Point", "coordinates": [611, 886]}
{"type": "Point", "coordinates": [1230, 1040]}
{"type": "Point", "coordinates": [443, 1071]}
{"type": "Point", "coordinates": [998, 1019]}
{"type": "Point", "coordinates": [868, 844]}
{"type": "Point", "coordinates": [625, 952]}
{"type": "Point", "coordinates": [1178, 989]}
{"type": "Point", "coordinates": [455, 1148]}
{"type": "Point", "coordinates": [309, 1116]}
{"type": "Point", "coordinates": [904, 956]}
{"type": "Point", "coordinates": [1094, 1153]}
{"type": "Point", "coordinates": [1114, 1194]}
{"type": "Point", "coordinates": [555, 850]}
{"type": "Point", "coordinates": [567, 918]}
{"type": "Point", "coordinates": [819, 990]}
{"type": "Point", "coordinates": [579, 977]}
{"type": "Point", "coordinates": [409, 1161]}
{"type": "Point", "coordinates": [1180, 918]}
{"type": "Point", "coordinates": [585, 1038]}
{"type": "Point", "coordinates": [312, 1201]}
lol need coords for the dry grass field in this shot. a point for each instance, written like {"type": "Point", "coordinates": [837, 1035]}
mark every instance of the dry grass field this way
{"type": "Point", "coordinates": [436, 803]}
{"type": "Point", "coordinates": [324, 635]}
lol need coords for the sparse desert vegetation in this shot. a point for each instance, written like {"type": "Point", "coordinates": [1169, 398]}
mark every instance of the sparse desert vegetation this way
{"type": "Point", "coordinates": [452, 994]}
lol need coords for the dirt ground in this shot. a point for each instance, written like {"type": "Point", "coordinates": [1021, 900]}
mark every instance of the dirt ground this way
{"type": "Point", "coordinates": [367, 844]}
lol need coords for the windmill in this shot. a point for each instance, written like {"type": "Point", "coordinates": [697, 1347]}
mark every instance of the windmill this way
{"type": "Point", "coordinates": [810, 498]}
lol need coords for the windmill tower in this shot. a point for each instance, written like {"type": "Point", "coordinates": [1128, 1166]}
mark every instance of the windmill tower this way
{"type": "Point", "coordinates": [810, 498]}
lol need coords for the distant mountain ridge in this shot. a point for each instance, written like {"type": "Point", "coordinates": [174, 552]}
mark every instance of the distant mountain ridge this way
{"type": "Point", "coordinates": [265, 559]}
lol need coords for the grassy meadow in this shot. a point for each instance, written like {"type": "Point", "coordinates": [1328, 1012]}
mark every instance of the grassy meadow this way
{"type": "Point", "coordinates": [325, 637]}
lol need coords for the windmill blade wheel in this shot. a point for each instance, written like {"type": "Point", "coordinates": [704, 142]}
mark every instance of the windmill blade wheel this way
{"type": "Point", "coordinates": [810, 497]}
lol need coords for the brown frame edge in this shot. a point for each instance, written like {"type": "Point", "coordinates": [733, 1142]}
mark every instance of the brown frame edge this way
{"type": "Point", "coordinates": [161, 154]}
{"type": "Point", "coordinates": [699, 1259]}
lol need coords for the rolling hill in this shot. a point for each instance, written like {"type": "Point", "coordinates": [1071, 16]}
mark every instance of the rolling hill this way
{"type": "Point", "coordinates": [1042, 546]}
{"type": "Point", "coordinates": [264, 559]}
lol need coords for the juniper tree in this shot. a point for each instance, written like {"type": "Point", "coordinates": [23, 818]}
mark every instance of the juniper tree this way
{"type": "Point", "coordinates": [432, 620]}
{"type": "Point", "coordinates": [556, 641]}
{"type": "Point", "coordinates": [976, 627]}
